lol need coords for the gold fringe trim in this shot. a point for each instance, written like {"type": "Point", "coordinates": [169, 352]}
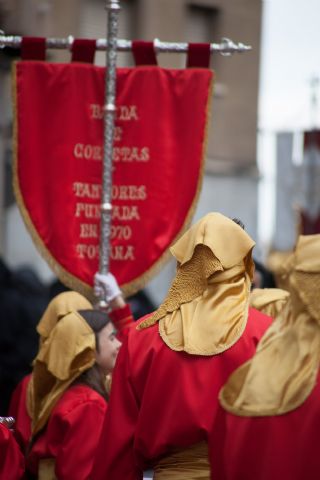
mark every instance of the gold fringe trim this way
{"type": "Point", "coordinates": [66, 277]}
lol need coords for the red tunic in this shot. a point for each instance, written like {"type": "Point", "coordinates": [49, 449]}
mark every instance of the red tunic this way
{"type": "Point", "coordinates": [284, 447]}
{"type": "Point", "coordinates": [72, 434]}
{"type": "Point", "coordinates": [161, 399]}
{"type": "Point", "coordinates": [121, 318]}
{"type": "Point", "coordinates": [11, 459]}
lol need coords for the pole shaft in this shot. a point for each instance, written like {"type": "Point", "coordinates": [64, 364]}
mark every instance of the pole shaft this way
{"type": "Point", "coordinates": [113, 9]}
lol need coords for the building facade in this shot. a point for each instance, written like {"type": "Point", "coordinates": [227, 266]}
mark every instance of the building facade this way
{"type": "Point", "coordinates": [231, 180]}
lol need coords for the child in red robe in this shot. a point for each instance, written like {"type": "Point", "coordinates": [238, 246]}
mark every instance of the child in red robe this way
{"type": "Point", "coordinates": [22, 405]}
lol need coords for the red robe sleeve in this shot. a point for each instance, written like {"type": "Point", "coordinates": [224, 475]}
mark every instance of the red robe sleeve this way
{"type": "Point", "coordinates": [18, 410]}
{"type": "Point", "coordinates": [120, 462]}
{"type": "Point", "coordinates": [78, 434]}
{"type": "Point", "coordinates": [11, 458]}
{"type": "Point", "coordinates": [72, 434]}
{"type": "Point", "coordinates": [122, 319]}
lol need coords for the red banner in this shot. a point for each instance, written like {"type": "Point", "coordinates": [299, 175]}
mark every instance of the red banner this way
{"type": "Point", "coordinates": [159, 150]}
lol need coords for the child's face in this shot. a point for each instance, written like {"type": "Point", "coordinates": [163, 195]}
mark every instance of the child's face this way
{"type": "Point", "coordinates": [108, 348]}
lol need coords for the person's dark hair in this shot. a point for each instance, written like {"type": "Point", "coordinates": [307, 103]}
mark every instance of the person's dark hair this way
{"type": "Point", "coordinates": [94, 377]}
{"type": "Point", "coordinates": [96, 320]}
{"type": "Point", "coordinates": [238, 222]}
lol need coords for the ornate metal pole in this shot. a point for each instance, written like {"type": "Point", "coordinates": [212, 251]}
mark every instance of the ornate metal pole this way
{"type": "Point", "coordinates": [113, 9]}
{"type": "Point", "coordinates": [225, 47]}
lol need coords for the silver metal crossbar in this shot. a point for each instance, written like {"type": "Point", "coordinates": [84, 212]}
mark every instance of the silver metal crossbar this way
{"type": "Point", "coordinates": [225, 47]}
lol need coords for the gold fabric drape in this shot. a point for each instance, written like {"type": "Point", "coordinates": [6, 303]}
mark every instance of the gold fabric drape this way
{"type": "Point", "coordinates": [206, 309]}
{"type": "Point", "coordinates": [59, 306]}
{"type": "Point", "coordinates": [191, 463]}
{"type": "Point", "coordinates": [47, 469]}
{"type": "Point", "coordinates": [270, 301]}
{"type": "Point", "coordinates": [283, 372]}
{"type": "Point", "coordinates": [279, 264]}
{"type": "Point", "coordinates": [67, 352]}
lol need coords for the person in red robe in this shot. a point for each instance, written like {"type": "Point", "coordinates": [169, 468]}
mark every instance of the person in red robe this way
{"type": "Point", "coordinates": [170, 369]}
{"type": "Point", "coordinates": [20, 403]}
{"type": "Point", "coordinates": [269, 420]}
{"type": "Point", "coordinates": [11, 458]}
{"type": "Point", "coordinates": [70, 395]}
{"type": "Point", "coordinates": [105, 285]}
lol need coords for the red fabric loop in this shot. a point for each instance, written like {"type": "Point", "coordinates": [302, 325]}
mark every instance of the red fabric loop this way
{"type": "Point", "coordinates": [309, 225]}
{"type": "Point", "coordinates": [143, 53]}
{"type": "Point", "coordinates": [33, 48]}
{"type": "Point", "coordinates": [83, 50]}
{"type": "Point", "coordinates": [198, 55]}
{"type": "Point", "coordinates": [312, 139]}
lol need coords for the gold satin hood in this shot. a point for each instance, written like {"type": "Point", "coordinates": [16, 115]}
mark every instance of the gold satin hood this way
{"type": "Point", "coordinates": [206, 309]}
{"type": "Point", "coordinates": [283, 372]}
{"type": "Point", "coordinates": [65, 354]}
{"type": "Point", "coordinates": [57, 308]}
